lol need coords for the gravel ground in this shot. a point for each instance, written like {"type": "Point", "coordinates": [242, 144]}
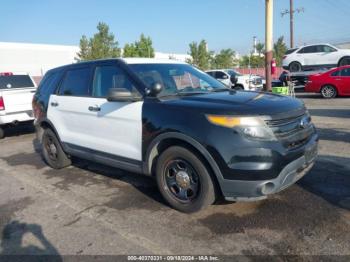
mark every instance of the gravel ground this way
{"type": "Point", "coordinates": [89, 209]}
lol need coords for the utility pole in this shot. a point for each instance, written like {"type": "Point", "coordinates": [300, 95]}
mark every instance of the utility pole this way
{"type": "Point", "coordinates": [268, 42]}
{"type": "Point", "coordinates": [291, 21]}
{"type": "Point", "coordinates": [291, 12]}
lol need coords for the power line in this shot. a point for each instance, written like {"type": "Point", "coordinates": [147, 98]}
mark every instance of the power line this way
{"type": "Point", "coordinates": [291, 12]}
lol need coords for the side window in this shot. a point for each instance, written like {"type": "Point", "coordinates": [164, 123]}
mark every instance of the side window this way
{"type": "Point", "coordinates": [310, 49]}
{"type": "Point", "coordinates": [345, 72]}
{"type": "Point", "coordinates": [107, 77]}
{"type": "Point", "coordinates": [76, 82]}
{"type": "Point", "coordinates": [301, 51]}
{"type": "Point", "coordinates": [211, 74]}
{"type": "Point", "coordinates": [221, 75]}
{"type": "Point", "coordinates": [336, 73]}
{"type": "Point", "coordinates": [49, 86]}
{"type": "Point", "coordinates": [328, 49]}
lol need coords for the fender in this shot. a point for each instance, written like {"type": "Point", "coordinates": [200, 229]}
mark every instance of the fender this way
{"type": "Point", "coordinates": [39, 124]}
{"type": "Point", "coordinates": [151, 151]}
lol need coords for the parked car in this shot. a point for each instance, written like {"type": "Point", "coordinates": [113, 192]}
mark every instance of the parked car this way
{"type": "Point", "coordinates": [164, 118]}
{"type": "Point", "coordinates": [315, 56]}
{"type": "Point", "coordinates": [335, 82]}
{"type": "Point", "coordinates": [236, 80]}
{"type": "Point", "coordinates": [16, 95]}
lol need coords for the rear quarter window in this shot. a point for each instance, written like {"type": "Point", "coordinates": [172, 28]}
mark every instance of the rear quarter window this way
{"type": "Point", "coordinates": [290, 51]}
{"type": "Point", "coordinates": [16, 81]}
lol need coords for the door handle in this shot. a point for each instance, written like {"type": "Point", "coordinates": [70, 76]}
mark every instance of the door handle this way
{"type": "Point", "coordinates": [54, 104]}
{"type": "Point", "coordinates": [94, 108]}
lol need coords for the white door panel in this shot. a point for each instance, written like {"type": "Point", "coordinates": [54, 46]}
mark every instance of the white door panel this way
{"type": "Point", "coordinates": [115, 129]}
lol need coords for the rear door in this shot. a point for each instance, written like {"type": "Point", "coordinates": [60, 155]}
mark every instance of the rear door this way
{"type": "Point", "coordinates": [311, 56]}
{"type": "Point", "coordinates": [83, 117]}
{"type": "Point", "coordinates": [17, 92]}
{"type": "Point", "coordinates": [67, 109]}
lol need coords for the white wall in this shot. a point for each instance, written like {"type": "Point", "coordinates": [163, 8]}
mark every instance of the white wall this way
{"type": "Point", "coordinates": [34, 59]}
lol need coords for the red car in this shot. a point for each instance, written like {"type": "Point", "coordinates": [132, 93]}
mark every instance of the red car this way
{"type": "Point", "coordinates": [331, 83]}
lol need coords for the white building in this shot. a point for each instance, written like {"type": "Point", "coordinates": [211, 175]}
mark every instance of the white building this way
{"type": "Point", "coordinates": [36, 59]}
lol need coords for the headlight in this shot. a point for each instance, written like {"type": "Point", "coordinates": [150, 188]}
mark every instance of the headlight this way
{"type": "Point", "coordinates": [251, 127]}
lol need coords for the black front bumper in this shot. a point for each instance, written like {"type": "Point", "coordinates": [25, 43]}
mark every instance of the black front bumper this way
{"type": "Point", "coordinates": [250, 190]}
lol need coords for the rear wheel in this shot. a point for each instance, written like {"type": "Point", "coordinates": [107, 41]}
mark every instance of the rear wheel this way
{"type": "Point", "coordinates": [344, 61]}
{"type": "Point", "coordinates": [184, 180]}
{"type": "Point", "coordinates": [295, 67]}
{"type": "Point", "coordinates": [2, 133]}
{"type": "Point", "coordinates": [52, 151]}
{"type": "Point", "coordinates": [328, 91]}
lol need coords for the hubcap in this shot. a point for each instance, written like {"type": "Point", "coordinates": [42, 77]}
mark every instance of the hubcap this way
{"type": "Point", "coordinates": [181, 180]}
{"type": "Point", "coordinates": [51, 148]}
{"type": "Point", "coordinates": [328, 91]}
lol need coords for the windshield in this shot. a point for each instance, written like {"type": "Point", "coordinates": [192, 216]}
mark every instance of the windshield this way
{"type": "Point", "coordinates": [177, 78]}
{"type": "Point", "coordinates": [15, 81]}
{"type": "Point", "coordinates": [233, 73]}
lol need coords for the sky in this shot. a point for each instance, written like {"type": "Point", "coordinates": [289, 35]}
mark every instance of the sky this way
{"type": "Point", "coordinates": [172, 24]}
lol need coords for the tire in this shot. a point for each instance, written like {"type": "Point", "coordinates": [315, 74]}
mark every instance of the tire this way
{"type": "Point", "coordinates": [184, 180]}
{"type": "Point", "coordinates": [2, 133]}
{"type": "Point", "coordinates": [328, 91]}
{"type": "Point", "coordinates": [239, 87]}
{"type": "Point", "coordinates": [52, 151]}
{"type": "Point", "coordinates": [295, 67]}
{"type": "Point", "coordinates": [344, 61]}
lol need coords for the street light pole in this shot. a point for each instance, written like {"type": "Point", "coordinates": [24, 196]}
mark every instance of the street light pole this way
{"type": "Point", "coordinates": [268, 42]}
{"type": "Point", "coordinates": [291, 13]}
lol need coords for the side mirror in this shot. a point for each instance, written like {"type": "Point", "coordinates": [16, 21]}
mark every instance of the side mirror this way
{"type": "Point", "coordinates": [224, 77]}
{"type": "Point", "coordinates": [120, 95]}
{"type": "Point", "coordinates": [154, 89]}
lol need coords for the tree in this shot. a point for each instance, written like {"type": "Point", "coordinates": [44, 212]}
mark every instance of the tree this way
{"type": "Point", "coordinates": [101, 45]}
{"type": "Point", "coordinates": [141, 48]}
{"type": "Point", "coordinates": [260, 48]}
{"type": "Point", "coordinates": [200, 55]}
{"type": "Point", "coordinates": [225, 59]}
{"type": "Point", "coordinates": [279, 49]}
{"type": "Point", "coordinates": [253, 61]}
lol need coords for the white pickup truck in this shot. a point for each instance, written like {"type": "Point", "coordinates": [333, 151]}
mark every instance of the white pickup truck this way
{"type": "Point", "coordinates": [16, 95]}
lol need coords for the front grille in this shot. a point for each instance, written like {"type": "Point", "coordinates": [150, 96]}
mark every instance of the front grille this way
{"type": "Point", "coordinates": [292, 132]}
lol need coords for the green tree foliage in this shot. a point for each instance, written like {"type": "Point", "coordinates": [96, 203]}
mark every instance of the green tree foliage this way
{"type": "Point", "coordinates": [224, 59]}
{"type": "Point", "coordinates": [255, 61]}
{"type": "Point", "coordinates": [141, 48]}
{"type": "Point", "coordinates": [200, 55]}
{"type": "Point", "coordinates": [260, 48]}
{"type": "Point", "coordinates": [279, 49]}
{"type": "Point", "coordinates": [101, 45]}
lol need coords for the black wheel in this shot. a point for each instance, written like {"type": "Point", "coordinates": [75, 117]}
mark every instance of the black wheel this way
{"type": "Point", "coordinates": [2, 133]}
{"type": "Point", "coordinates": [184, 180]}
{"type": "Point", "coordinates": [239, 87]}
{"type": "Point", "coordinates": [328, 91]}
{"type": "Point", "coordinates": [295, 67]}
{"type": "Point", "coordinates": [344, 61]}
{"type": "Point", "coordinates": [52, 151]}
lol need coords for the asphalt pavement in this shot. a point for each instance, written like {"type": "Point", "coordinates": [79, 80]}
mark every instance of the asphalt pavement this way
{"type": "Point", "coordinates": [90, 209]}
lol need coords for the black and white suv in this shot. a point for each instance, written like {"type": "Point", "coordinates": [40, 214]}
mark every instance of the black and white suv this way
{"type": "Point", "coordinates": [167, 119]}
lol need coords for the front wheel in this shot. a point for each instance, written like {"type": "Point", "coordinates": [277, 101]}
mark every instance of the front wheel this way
{"type": "Point", "coordinates": [328, 91]}
{"type": "Point", "coordinates": [52, 151]}
{"type": "Point", "coordinates": [184, 180]}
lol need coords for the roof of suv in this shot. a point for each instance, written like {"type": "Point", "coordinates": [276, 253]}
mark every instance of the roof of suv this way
{"type": "Point", "coordinates": [133, 60]}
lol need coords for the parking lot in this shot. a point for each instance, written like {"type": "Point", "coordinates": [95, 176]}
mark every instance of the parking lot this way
{"type": "Point", "coordinates": [91, 209]}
